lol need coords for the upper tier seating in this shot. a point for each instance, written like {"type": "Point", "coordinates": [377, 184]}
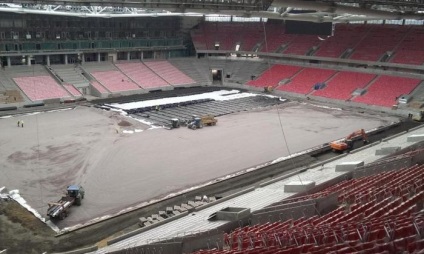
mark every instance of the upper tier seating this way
{"type": "Point", "coordinates": [220, 32]}
{"type": "Point", "coordinates": [366, 42]}
{"type": "Point", "coordinates": [252, 35]}
{"type": "Point", "coordinates": [306, 79]}
{"type": "Point", "coordinates": [274, 75]}
{"type": "Point", "coordinates": [405, 56]}
{"type": "Point", "coordinates": [378, 41]}
{"type": "Point", "coordinates": [141, 74]}
{"type": "Point", "coordinates": [41, 88]}
{"type": "Point", "coordinates": [301, 44]}
{"type": "Point", "coordinates": [199, 39]}
{"type": "Point", "coordinates": [345, 37]}
{"type": "Point", "coordinates": [275, 37]}
{"type": "Point", "coordinates": [115, 81]}
{"type": "Point", "coordinates": [410, 50]}
{"type": "Point", "coordinates": [169, 73]}
{"type": "Point", "coordinates": [386, 89]}
{"type": "Point", "coordinates": [227, 34]}
{"type": "Point", "coordinates": [342, 85]}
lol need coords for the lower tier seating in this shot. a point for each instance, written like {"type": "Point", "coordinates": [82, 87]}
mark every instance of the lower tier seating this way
{"type": "Point", "coordinates": [384, 216]}
{"type": "Point", "coordinates": [274, 75]}
{"type": "Point", "coordinates": [386, 90]}
{"type": "Point", "coordinates": [41, 88]}
{"type": "Point", "coordinates": [343, 84]}
{"type": "Point", "coordinates": [304, 82]}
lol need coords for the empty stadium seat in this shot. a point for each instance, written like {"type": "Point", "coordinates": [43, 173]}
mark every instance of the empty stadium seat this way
{"type": "Point", "coordinates": [386, 90]}
{"type": "Point", "coordinates": [274, 75]}
{"type": "Point", "coordinates": [336, 232]}
{"type": "Point", "coordinates": [169, 73]}
{"type": "Point", "coordinates": [343, 84]}
{"type": "Point", "coordinates": [304, 81]}
{"type": "Point", "coordinates": [142, 75]}
{"type": "Point", "coordinates": [115, 81]}
{"type": "Point", "coordinates": [41, 88]}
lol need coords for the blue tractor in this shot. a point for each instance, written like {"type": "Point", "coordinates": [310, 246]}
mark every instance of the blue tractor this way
{"type": "Point", "coordinates": [60, 209]}
{"type": "Point", "coordinates": [195, 123]}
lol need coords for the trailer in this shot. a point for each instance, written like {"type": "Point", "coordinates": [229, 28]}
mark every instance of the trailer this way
{"type": "Point", "coordinates": [60, 209]}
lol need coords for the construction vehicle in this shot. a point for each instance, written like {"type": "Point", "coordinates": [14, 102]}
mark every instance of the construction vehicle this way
{"type": "Point", "coordinates": [175, 123]}
{"type": "Point", "coordinates": [60, 209]}
{"type": "Point", "coordinates": [268, 89]}
{"type": "Point", "coordinates": [208, 120]}
{"type": "Point", "coordinates": [198, 122]}
{"type": "Point", "coordinates": [195, 123]}
{"type": "Point", "coordinates": [419, 117]}
{"type": "Point", "coordinates": [347, 143]}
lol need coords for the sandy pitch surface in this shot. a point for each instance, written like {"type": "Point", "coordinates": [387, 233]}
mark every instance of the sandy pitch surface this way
{"type": "Point", "coordinates": [82, 146]}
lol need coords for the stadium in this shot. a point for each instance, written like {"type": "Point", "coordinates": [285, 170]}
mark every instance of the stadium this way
{"type": "Point", "coordinates": [211, 127]}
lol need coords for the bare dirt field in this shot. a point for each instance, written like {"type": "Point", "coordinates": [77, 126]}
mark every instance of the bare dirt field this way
{"type": "Point", "coordinates": [119, 170]}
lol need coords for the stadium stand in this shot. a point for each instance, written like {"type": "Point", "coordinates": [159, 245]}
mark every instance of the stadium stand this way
{"type": "Point", "coordinates": [40, 88]}
{"type": "Point", "coordinates": [276, 40]}
{"type": "Point", "coordinates": [72, 90]}
{"type": "Point", "coordinates": [199, 39]}
{"type": "Point", "coordinates": [342, 85]}
{"type": "Point", "coordinates": [375, 214]}
{"type": "Point", "coordinates": [220, 32]}
{"type": "Point", "coordinates": [169, 73]}
{"type": "Point", "coordinates": [304, 81]}
{"type": "Point", "coordinates": [385, 90]}
{"type": "Point", "coordinates": [242, 71]}
{"type": "Point", "coordinates": [274, 75]}
{"type": "Point", "coordinates": [377, 42]}
{"type": "Point", "coordinates": [302, 44]}
{"type": "Point", "coordinates": [346, 37]}
{"type": "Point", "coordinates": [96, 67]}
{"type": "Point", "coordinates": [115, 81]}
{"type": "Point", "coordinates": [410, 50]}
{"type": "Point", "coordinates": [99, 88]}
{"type": "Point", "coordinates": [253, 35]}
{"type": "Point", "coordinates": [69, 74]}
{"type": "Point", "coordinates": [142, 75]}
{"type": "Point", "coordinates": [198, 70]}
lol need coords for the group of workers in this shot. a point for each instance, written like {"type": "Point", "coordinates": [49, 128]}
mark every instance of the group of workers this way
{"type": "Point", "coordinates": [21, 123]}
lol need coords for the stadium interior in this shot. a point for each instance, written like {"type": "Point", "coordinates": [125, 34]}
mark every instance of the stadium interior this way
{"type": "Point", "coordinates": [212, 127]}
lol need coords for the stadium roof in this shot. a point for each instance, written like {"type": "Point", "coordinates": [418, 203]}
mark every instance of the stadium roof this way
{"type": "Point", "coordinates": [318, 11]}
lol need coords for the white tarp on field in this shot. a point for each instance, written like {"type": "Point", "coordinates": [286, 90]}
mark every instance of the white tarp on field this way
{"type": "Point", "coordinates": [221, 95]}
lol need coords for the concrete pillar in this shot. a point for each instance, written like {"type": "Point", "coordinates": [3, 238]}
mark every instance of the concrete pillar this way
{"type": "Point", "coordinates": [99, 57]}
{"type": "Point", "coordinates": [82, 58]}
{"type": "Point", "coordinates": [9, 63]}
{"type": "Point", "coordinates": [66, 59]}
{"type": "Point", "coordinates": [141, 55]}
{"type": "Point", "coordinates": [154, 54]}
{"type": "Point", "coordinates": [28, 59]}
{"type": "Point", "coordinates": [48, 60]}
{"type": "Point", "coordinates": [128, 56]}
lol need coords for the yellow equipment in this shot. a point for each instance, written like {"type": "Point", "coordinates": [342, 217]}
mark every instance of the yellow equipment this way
{"type": "Point", "coordinates": [268, 89]}
{"type": "Point", "coordinates": [199, 122]}
{"type": "Point", "coordinates": [347, 143]}
{"type": "Point", "coordinates": [419, 117]}
{"type": "Point", "coordinates": [208, 120]}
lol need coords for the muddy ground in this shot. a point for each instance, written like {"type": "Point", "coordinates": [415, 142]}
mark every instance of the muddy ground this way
{"type": "Point", "coordinates": [86, 146]}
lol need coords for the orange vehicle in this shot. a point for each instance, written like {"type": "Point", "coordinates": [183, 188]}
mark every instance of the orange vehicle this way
{"type": "Point", "coordinates": [347, 143]}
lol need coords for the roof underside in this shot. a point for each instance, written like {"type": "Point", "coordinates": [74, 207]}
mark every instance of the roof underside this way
{"type": "Point", "coordinates": [322, 11]}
